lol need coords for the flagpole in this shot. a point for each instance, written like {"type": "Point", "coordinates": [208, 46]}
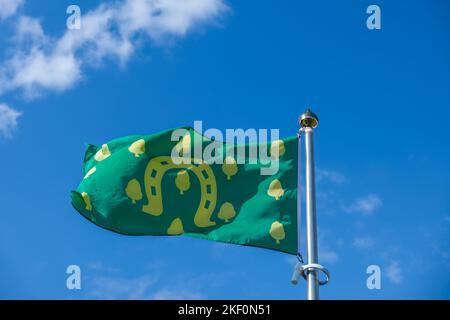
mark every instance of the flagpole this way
{"type": "Point", "coordinates": [308, 121]}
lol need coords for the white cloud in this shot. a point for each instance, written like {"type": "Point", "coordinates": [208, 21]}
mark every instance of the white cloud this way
{"type": "Point", "coordinates": [9, 7]}
{"type": "Point", "coordinates": [291, 260]}
{"type": "Point", "coordinates": [394, 273]}
{"type": "Point", "coordinates": [39, 70]}
{"type": "Point", "coordinates": [445, 255]}
{"type": "Point", "coordinates": [363, 242]}
{"type": "Point", "coordinates": [8, 120]}
{"type": "Point", "coordinates": [28, 29]}
{"type": "Point", "coordinates": [99, 266]}
{"type": "Point", "coordinates": [139, 288]}
{"type": "Point", "coordinates": [365, 205]}
{"type": "Point", "coordinates": [332, 176]}
{"type": "Point", "coordinates": [178, 294]}
{"type": "Point", "coordinates": [108, 288]}
{"type": "Point", "coordinates": [111, 31]}
{"type": "Point", "coordinates": [327, 256]}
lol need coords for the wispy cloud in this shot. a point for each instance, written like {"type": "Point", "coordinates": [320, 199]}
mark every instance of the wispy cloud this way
{"type": "Point", "coordinates": [8, 120]}
{"type": "Point", "coordinates": [106, 282]}
{"type": "Point", "coordinates": [329, 175]}
{"type": "Point", "coordinates": [28, 29]}
{"type": "Point", "coordinates": [99, 266]}
{"type": "Point", "coordinates": [394, 273]}
{"type": "Point", "coordinates": [326, 255]}
{"type": "Point", "coordinates": [107, 288]}
{"type": "Point", "coordinates": [445, 255]}
{"type": "Point", "coordinates": [9, 7]}
{"type": "Point", "coordinates": [178, 294]}
{"type": "Point", "coordinates": [291, 260]}
{"type": "Point", "coordinates": [145, 288]}
{"type": "Point", "coordinates": [111, 31]}
{"type": "Point", "coordinates": [363, 242]}
{"type": "Point", "coordinates": [364, 205]}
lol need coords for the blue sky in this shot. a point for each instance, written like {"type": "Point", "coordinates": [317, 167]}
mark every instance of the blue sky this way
{"type": "Point", "coordinates": [382, 154]}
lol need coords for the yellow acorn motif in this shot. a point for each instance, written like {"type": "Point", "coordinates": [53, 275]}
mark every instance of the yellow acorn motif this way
{"type": "Point", "coordinates": [103, 153]}
{"type": "Point", "coordinates": [184, 145]}
{"type": "Point", "coordinates": [277, 149]}
{"type": "Point", "coordinates": [275, 189]}
{"type": "Point", "coordinates": [226, 212]}
{"type": "Point", "coordinates": [176, 227]}
{"type": "Point", "coordinates": [229, 167]}
{"type": "Point", "coordinates": [133, 190]}
{"type": "Point", "coordinates": [182, 181]}
{"type": "Point", "coordinates": [87, 201]}
{"type": "Point", "coordinates": [138, 147]}
{"type": "Point", "coordinates": [91, 171]}
{"type": "Point", "coordinates": [277, 231]}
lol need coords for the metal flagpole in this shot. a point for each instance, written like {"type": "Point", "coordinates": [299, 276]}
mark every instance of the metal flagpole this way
{"type": "Point", "coordinates": [308, 121]}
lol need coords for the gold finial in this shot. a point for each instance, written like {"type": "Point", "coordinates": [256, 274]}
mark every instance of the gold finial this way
{"type": "Point", "coordinates": [308, 119]}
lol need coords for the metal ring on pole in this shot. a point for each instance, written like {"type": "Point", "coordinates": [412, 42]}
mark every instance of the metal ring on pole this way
{"type": "Point", "coordinates": [315, 267]}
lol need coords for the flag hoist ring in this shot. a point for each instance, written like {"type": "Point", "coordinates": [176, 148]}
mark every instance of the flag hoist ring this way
{"type": "Point", "coordinates": [304, 269]}
{"type": "Point", "coordinates": [315, 267]}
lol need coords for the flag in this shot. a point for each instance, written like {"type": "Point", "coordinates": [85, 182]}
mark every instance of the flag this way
{"type": "Point", "coordinates": [242, 194]}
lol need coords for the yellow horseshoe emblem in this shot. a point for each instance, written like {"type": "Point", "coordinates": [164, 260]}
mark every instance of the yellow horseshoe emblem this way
{"type": "Point", "coordinates": [154, 172]}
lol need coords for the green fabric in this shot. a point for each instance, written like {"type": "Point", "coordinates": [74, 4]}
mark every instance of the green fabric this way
{"type": "Point", "coordinates": [132, 187]}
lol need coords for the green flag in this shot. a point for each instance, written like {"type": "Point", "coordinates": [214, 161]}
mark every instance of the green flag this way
{"type": "Point", "coordinates": [152, 185]}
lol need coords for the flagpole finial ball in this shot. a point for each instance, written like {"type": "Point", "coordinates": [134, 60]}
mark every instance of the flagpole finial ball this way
{"type": "Point", "coordinates": [308, 119]}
